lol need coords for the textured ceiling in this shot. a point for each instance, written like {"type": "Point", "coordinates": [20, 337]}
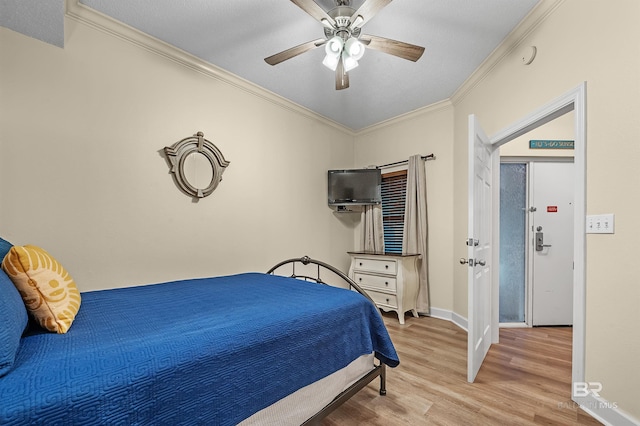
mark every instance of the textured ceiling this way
{"type": "Point", "coordinates": [236, 35]}
{"type": "Point", "coordinates": [42, 20]}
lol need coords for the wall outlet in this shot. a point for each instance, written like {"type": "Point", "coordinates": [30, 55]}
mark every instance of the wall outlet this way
{"type": "Point", "coordinates": [601, 224]}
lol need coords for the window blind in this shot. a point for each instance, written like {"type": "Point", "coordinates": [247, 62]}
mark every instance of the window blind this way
{"type": "Point", "coordinates": [394, 193]}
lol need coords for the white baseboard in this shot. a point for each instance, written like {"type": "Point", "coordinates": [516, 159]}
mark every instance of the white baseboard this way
{"type": "Point", "coordinates": [448, 315]}
{"type": "Point", "coordinates": [460, 321]}
{"type": "Point", "coordinates": [440, 313]}
{"type": "Point", "coordinates": [599, 408]}
{"type": "Point", "coordinates": [605, 412]}
{"type": "Point", "coordinates": [513, 325]}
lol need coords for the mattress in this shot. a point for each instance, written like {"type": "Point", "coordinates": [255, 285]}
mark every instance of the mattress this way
{"type": "Point", "coordinates": [301, 405]}
{"type": "Point", "coordinates": [209, 351]}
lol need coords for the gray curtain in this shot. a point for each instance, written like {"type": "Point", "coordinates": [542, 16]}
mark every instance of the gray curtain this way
{"type": "Point", "coordinates": [415, 231]}
{"type": "Point", "coordinates": [372, 230]}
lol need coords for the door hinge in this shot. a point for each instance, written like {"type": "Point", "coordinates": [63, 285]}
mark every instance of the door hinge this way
{"type": "Point", "coordinates": [472, 242]}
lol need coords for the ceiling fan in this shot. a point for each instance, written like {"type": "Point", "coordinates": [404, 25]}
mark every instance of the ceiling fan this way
{"type": "Point", "coordinates": [344, 43]}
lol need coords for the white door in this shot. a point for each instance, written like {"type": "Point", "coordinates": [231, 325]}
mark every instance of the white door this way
{"type": "Point", "coordinates": [552, 226]}
{"type": "Point", "coordinates": [479, 253]}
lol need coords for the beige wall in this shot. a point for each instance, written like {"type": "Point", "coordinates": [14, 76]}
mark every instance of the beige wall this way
{"type": "Point", "coordinates": [559, 129]}
{"type": "Point", "coordinates": [425, 132]}
{"type": "Point", "coordinates": [82, 175]}
{"type": "Point", "coordinates": [596, 42]}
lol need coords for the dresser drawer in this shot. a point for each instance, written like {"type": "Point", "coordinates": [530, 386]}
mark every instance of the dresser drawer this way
{"type": "Point", "coordinates": [383, 299]}
{"type": "Point", "coordinates": [375, 282]}
{"type": "Point", "coordinates": [382, 266]}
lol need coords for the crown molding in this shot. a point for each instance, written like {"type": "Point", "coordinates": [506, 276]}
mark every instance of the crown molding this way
{"type": "Point", "coordinates": [533, 19]}
{"type": "Point", "coordinates": [101, 22]}
{"type": "Point", "coordinates": [438, 106]}
{"type": "Point", "coordinates": [92, 18]}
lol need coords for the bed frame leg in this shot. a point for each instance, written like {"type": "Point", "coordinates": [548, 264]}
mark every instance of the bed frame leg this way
{"type": "Point", "coordinates": [383, 380]}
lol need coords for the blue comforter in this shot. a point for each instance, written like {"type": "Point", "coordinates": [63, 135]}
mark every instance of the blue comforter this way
{"type": "Point", "coordinates": [204, 351]}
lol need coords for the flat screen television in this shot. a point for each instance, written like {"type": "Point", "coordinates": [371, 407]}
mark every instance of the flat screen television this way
{"type": "Point", "coordinates": [354, 187]}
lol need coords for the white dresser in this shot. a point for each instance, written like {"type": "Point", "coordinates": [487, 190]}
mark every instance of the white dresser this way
{"type": "Point", "coordinates": [391, 280]}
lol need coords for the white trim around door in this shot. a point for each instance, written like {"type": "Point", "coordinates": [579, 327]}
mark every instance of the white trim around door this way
{"type": "Point", "coordinates": [574, 100]}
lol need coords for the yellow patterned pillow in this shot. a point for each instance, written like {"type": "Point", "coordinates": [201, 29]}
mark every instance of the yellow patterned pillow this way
{"type": "Point", "coordinates": [46, 287]}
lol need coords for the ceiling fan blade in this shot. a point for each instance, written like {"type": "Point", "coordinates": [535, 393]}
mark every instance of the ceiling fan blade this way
{"type": "Point", "coordinates": [393, 47]}
{"type": "Point", "coordinates": [312, 8]}
{"type": "Point", "coordinates": [342, 78]}
{"type": "Point", "coordinates": [368, 10]}
{"type": "Point", "coordinates": [294, 51]}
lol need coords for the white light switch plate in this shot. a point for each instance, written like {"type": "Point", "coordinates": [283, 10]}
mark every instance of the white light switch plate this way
{"type": "Point", "coordinates": [601, 224]}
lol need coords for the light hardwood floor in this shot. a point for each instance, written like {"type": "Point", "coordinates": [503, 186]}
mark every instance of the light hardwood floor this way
{"type": "Point", "coordinates": [525, 380]}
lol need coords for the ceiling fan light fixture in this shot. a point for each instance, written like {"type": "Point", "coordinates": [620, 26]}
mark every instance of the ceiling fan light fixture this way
{"type": "Point", "coordinates": [331, 61]}
{"type": "Point", "coordinates": [349, 62]}
{"type": "Point", "coordinates": [334, 46]}
{"type": "Point", "coordinates": [354, 48]}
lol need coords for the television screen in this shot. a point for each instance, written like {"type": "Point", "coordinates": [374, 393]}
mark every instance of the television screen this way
{"type": "Point", "coordinates": [354, 187]}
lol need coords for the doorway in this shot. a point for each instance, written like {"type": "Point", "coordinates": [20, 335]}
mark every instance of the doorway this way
{"type": "Point", "coordinates": [536, 242]}
{"type": "Point", "coordinates": [574, 100]}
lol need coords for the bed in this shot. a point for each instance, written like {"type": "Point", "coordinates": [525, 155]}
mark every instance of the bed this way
{"type": "Point", "coordinates": [251, 348]}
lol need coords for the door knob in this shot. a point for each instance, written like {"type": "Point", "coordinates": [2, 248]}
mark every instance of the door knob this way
{"type": "Point", "coordinates": [472, 262]}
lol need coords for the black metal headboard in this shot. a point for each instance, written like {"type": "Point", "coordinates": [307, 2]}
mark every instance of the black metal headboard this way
{"type": "Point", "coordinates": [306, 260]}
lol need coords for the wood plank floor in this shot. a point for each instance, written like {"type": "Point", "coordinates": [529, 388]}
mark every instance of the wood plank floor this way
{"type": "Point", "coordinates": [525, 380]}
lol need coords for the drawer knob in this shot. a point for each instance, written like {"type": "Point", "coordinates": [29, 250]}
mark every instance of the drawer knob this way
{"type": "Point", "coordinates": [387, 300]}
{"type": "Point", "coordinates": [359, 279]}
{"type": "Point", "coordinates": [386, 266]}
{"type": "Point", "coordinates": [386, 283]}
{"type": "Point", "coordinates": [360, 263]}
